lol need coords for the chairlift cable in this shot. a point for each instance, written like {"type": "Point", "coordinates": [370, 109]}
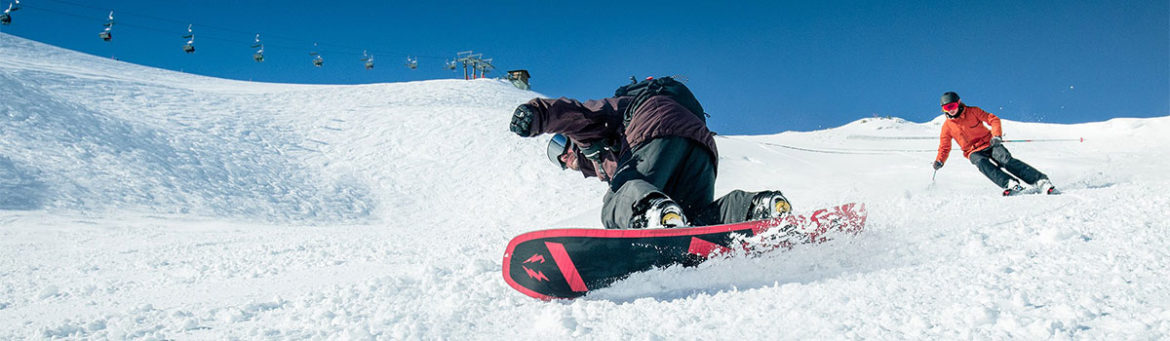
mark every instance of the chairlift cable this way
{"type": "Point", "coordinates": [207, 32]}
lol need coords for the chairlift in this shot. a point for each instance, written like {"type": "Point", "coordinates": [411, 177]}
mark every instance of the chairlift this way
{"type": "Point", "coordinates": [411, 63]}
{"type": "Point", "coordinates": [317, 60]}
{"type": "Point", "coordinates": [451, 64]}
{"type": "Point", "coordinates": [6, 18]}
{"type": "Point", "coordinates": [368, 59]}
{"type": "Point", "coordinates": [105, 34]}
{"type": "Point", "coordinates": [259, 55]}
{"type": "Point", "coordinates": [190, 46]}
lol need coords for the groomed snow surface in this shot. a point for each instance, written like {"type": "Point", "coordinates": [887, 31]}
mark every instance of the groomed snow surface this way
{"type": "Point", "coordinates": [143, 203]}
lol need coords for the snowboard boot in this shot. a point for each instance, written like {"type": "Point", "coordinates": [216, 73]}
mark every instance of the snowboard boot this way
{"type": "Point", "coordinates": [768, 205]}
{"type": "Point", "coordinates": [1046, 187]}
{"type": "Point", "coordinates": [1013, 189]}
{"type": "Point", "coordinates": [657, 212]}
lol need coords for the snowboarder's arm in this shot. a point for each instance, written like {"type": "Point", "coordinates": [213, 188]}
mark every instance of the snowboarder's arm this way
{"type": "Point", "coordinates": [584, 123]}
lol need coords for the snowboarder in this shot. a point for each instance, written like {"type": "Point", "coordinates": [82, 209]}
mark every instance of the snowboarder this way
{"type": "Point", "coordinates": [965, 124]}
{"type": "Point", "coordinates": [658, 157]}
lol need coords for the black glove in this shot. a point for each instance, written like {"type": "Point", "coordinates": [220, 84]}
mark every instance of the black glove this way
{"type": "Point", "coordinates": [937, 165]}
{"type": "Point", "coordinates": [602, 158]}
{"type": "Point", "coordinates": [522, 120]}
{"type": "Point", "coordinates": [594, 151]}
{"type": "Point", "coordinates": [996, 140]}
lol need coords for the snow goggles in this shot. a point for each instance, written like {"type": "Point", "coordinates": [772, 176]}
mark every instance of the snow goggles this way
{"type": "Point", "coordinates": [557, 146]}
{"type": "Point", "coordinates": [950, 106]}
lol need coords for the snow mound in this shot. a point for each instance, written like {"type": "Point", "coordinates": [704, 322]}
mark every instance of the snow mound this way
{"type": "Point", "coordinates": [100, 135]}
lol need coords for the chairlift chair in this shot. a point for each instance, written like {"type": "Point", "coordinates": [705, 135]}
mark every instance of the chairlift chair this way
{"type": "Point", "coordinates": [190, 46]}
{"type": "Point", "coordinates": [259, 55]}
{"type": "Point", "coordinates": [106, 35]}
{"type": "Point", "coordinates": [369, 60]}
{"type": "Point", "coordinates": [412, 63]}
{"type": "Point", "coordinates": [6, 18]}
{"type": "Point", "coordinates": [318, 61]}
{"type": "Point", "coordinates": [366, 57]}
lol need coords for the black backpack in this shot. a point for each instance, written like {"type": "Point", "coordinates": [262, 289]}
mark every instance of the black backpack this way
{"type": "Point", "coordinates": [666, 86]}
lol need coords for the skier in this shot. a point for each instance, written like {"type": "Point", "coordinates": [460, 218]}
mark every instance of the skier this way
{"type": "Point", "coordinates": [965, 124]}
{"type": "Point", "coordinates": [659, 159]}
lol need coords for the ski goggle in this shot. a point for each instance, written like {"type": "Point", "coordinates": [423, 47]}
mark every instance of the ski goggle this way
{"type": "Point", "coordinates": [557, 146]}
{"type": "Point", "coordinates": [950, 106]}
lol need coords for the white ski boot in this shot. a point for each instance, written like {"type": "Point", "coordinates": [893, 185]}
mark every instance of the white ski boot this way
{"type": "Point", "coordinates": [1046, 187]}
{"type": "Point", "coordinates": [658, 212]}
{"type": "Point", "coordinates": [1013, 188]}
{"type": "Point", "coordinates": [768, 205]}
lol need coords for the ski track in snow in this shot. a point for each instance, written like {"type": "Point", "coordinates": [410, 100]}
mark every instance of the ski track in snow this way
{"type": "Point", "coordinates": [138, 203]}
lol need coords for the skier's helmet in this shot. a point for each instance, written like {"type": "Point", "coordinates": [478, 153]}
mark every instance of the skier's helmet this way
{"type": "Point", "coordinates": [557, 146]}
{"type": "Point", "coordinates": [950, 104]}
{"type": "Point", "coordinates": [948, 98]}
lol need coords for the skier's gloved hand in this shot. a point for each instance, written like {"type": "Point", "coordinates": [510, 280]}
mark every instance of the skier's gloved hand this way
{"type": "Point", "coordinates": [594, 151]}
{"type": "Point", "coordinates": [996, 140]}
{"type": "Point", "coordinates": [522, 120]}
{"type": "Point", "coordinates": [937, 165]}
{"type": "Point", "coordinates": [603, 160]}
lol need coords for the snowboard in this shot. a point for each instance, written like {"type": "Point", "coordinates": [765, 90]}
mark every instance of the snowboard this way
{"type": "Point", "coordinates": [568, 263]}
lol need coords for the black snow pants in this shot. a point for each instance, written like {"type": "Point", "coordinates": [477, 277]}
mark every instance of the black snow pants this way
{"type": "Point", "coordinates": [992, 162]}
{"type": "Point", "coordinates": [680, 169]}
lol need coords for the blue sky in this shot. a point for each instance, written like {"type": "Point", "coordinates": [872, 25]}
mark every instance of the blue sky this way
{"type": "Point", "coordinates": [757, 67]}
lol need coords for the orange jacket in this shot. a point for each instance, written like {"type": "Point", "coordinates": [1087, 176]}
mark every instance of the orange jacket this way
{"type": "Point", "coordinates": [969, 131]}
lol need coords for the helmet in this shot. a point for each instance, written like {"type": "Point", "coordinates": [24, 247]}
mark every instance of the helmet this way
{"type": "Point", "coordinates": [556, 147]}
{"type": "Point", "coordinates": [949, 97]}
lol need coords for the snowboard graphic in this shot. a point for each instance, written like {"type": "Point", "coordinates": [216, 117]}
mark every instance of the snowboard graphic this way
{"type": "Point", "coordinates": [568, 263]}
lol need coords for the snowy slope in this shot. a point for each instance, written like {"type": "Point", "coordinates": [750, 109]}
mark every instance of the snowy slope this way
{"type": "Point", "coordinates": [144, 203]}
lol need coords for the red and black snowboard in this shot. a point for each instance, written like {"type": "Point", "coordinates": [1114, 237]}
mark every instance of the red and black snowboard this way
{"type": "Point", "coordinates": [568, 263]}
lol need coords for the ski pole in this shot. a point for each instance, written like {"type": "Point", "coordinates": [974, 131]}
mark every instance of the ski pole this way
{"type": "Point", "coordinates": [1046, 140]}
{"type": "Point", "coordinates": [866, 137]}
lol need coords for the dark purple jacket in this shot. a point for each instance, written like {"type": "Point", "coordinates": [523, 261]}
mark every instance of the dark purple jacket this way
{"type": "Point", "coordinates": [599, 120]}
